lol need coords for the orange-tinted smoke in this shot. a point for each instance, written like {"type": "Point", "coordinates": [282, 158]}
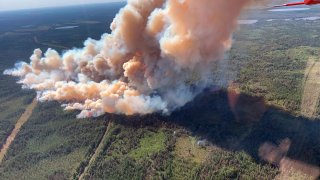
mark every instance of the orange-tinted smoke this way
{"type": "Point", "coordinates": [148, 63]}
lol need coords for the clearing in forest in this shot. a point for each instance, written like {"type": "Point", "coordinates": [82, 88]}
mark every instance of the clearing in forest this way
{"type": "Point", "coordinates": [311, 89]}
{"type": "Point", "coordinates": [97, 151]}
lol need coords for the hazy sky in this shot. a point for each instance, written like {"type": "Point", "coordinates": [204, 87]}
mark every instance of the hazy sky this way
{"type": "Point", "coordinates": [27, 4]}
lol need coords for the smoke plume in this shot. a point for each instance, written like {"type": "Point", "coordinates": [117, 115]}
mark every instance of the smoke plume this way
{"type": "Point", "coordinates": [156, 59]}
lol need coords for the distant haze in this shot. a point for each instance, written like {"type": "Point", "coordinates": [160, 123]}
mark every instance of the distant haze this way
{"type": "Point", "coordinates": [158, 57]}
{"type": "Point", "coordinates": [6, 5]}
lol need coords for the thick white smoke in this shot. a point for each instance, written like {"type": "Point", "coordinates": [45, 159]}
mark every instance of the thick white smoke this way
{"type": "Point", "coordinates": [157, 58]}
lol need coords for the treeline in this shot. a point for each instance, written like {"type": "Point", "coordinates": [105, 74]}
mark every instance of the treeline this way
{"type": "Point", "coordinates": [52, 143]}
{"type": "Point", "coordinates": [117, 162]}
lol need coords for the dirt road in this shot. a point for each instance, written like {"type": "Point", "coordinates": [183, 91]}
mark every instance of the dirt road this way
{"type": "Point", "coordinates": [22, 120]}
{"type": "Point", "coordinates": [311, 89]}
{"type": "Point", "coordinates": [97, 152]}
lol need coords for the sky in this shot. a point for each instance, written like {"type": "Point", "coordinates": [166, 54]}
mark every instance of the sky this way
{"type": "Point", "coordinates": [6, 5]}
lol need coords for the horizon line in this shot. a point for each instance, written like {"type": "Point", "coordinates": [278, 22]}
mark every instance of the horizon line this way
{"type": "Point", "coordinates": [60, 6]}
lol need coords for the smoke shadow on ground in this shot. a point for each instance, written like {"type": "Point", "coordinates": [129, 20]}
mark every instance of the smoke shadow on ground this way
{"type": "Point", "coordinates": [240, 122]}
{"type": "Point", "coordinates": [248, 124]}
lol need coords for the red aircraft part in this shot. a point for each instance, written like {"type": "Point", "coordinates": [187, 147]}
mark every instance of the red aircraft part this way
{"type": "Point", "coordinates": [305, 2]}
